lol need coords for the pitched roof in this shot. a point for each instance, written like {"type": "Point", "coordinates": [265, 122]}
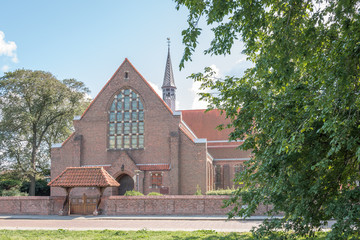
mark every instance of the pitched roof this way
{"type": "Point", "coordinates": [169, 75]}
{"type": "Point", "coordinates": [153, 167]}
{"type": "Point", "coordinates": [84, 177]}
{"type": "Point", "coordinates": [228, 153]}
{"type": "Point", "coordinates": [203, 124]}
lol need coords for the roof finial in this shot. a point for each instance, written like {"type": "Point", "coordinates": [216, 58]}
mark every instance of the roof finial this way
{"type": "Point", "coordinates": [168, 41]}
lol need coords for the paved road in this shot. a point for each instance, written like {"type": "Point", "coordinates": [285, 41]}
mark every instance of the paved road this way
{"type": "Point", "coordinates": [127, 223]}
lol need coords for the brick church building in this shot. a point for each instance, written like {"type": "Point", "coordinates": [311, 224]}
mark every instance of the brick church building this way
{"type": "Point", "coordinates": [147, 145]}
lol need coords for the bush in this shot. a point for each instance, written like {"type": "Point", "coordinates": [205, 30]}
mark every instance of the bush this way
{"type": "Point", "coordinates": [154, 194]}
{"type": "Point", "coordinates": [13, 192]}
{"type": "Point", "coordinates": [198, 190]}
{"type": "Point", "coordinates": [7, 184]}
{"type": "Point", "coordinates": [228, 191]}
{"type": "Point", "coordinates": [41, 187]}
{"type": "Point", "coordinates": [133, 193]}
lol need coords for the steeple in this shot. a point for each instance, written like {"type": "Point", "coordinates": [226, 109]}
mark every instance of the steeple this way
{"type": "Point", "coordinates": [168, 86]}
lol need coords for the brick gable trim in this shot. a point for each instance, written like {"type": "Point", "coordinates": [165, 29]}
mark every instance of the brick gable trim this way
{"type": "Point", "coordinates": [108, 82]}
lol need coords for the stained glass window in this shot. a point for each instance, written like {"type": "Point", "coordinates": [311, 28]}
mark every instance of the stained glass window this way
{"type": "Point", "coordinates": [126, 121]}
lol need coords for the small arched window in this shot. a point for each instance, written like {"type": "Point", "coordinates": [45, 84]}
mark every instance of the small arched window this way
{"type": "Point", "coordinates": [126, 121]}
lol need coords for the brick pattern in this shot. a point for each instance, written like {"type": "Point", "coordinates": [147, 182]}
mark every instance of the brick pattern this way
{"type": "Point", "coordinates": [121, 205]}
{"type": "Point", "coordinates": [162, 144]}
{"type": "Point", "coordinates": [170, 205]}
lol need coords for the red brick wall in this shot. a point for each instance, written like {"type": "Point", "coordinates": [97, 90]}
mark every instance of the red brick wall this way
{"type": "Point", "coordinates": [169, 205]}
{"type": "Point", "coordinates": [30, 205]}
{"type": "Point", "coordinates": [192, 165]}
{"type": "Point", "coordinates": [121, 205]}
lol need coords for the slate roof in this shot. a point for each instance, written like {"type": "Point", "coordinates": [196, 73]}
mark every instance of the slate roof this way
{"type": "Point", "coordinates": [153, 167]}
{"type": "Point", "coordinates": [169, 75]}
{"type": "Point", "coordinates": [84, 177]}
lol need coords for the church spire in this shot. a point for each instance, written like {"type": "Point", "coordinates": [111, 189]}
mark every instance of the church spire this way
{"type": "Point", "coordinates": [168, 86]}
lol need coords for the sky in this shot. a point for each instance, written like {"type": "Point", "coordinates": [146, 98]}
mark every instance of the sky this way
{"type": "Point", "coordinates": [88, 40]}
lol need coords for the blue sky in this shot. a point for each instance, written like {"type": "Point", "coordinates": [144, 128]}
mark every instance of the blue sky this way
{"type": "Point", "coordinates": [88, 40]}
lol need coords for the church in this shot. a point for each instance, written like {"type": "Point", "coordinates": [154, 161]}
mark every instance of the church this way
{"type": "Point", "coordinates": [145, 143]}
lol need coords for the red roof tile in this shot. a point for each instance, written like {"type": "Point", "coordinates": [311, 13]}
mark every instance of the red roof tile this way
{"type": "Point", "coordinates": [153, 167]}
{"type": "Point", "coordinates": [204, 124]}
{"type": "Point", "coordinates": [84, 177]}
{"type": "Point", "coordinates": [229, 152]}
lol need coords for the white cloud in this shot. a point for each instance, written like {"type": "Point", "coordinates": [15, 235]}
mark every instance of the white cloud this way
{"type": "Point", "coordinates": [156, 88]}
{"type": "Point", "coordinates": [197, 104]}
{"type": "Point", "coordinates": [5, 68]}
{"type": "Point", "coordinates": [216, 69]}
{"type": "Point", "coordinates": [241, 59]}
{"type": "Point", "coordinates": [195, 89]}
{"type": "Point", "coordinates": [8, 48]}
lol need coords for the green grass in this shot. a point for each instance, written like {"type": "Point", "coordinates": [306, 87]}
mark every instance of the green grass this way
{"type": "Point", "coordinates": [113, 234]}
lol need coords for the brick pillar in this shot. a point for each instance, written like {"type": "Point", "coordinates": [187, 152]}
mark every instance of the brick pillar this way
{"type": "Point", "coordinates": [174, 163]}
{"type": "Point", "coordinates": [139, 183]}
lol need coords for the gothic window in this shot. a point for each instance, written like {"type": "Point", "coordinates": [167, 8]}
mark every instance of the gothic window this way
{"type": "Point", "coordinates": [218, 177]}
{"type": "Point", "coordinates": [126, 121]}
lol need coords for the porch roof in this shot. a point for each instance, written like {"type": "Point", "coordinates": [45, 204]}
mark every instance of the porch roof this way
{"type": "Point", "coordinates": [84, 177]}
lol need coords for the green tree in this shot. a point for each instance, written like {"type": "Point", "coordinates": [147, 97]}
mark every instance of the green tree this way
{"type": "Point", "coordinates": [36, 110]}
{"type": "Point", "coordinates": [298, 108]}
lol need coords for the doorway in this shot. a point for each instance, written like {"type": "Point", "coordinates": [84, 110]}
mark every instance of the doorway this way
{"type": "Point", "coordinates": [126, 184]}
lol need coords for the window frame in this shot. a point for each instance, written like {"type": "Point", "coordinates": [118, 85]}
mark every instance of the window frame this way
{"type": "Point", "coordinates": [124, 131]}
{"type": "Point", "coordinates": [156, 179]}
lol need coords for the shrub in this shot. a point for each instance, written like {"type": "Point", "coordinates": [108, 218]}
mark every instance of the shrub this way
{"type": "Point", "coordinates": [154, 194]}
{"type": "Point", "coordinates": [228, 191]}
{"type": "Point", "coordinates": [41, 187]}
{"type": "Point", "coordinates": [13, 192]}
{"type": "Point", "coordinates": [198, 190]}
{"type": "Point", "coordinates": [133, 193]}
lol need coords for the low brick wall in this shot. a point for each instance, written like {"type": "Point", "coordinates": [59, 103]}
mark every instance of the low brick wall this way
{"type": "Point", "coordinates": [169, 205]}
{"type": "Point", "coordinates": [30, 205]}
{"type": "Point", "coordinates": [123, 205]}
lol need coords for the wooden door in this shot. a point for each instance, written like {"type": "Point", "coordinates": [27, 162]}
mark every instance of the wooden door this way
{"type": "Point", "coordinates": [84, 206]}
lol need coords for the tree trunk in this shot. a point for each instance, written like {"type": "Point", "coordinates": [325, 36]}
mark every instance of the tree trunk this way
{"type": "Point", "coordinates": [33, 164]}
{"type": "Point", "coordinates": [32, 184]}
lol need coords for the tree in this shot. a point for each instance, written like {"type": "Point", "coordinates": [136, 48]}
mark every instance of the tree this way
{"type": "Point", "coordinates": [298, 108]}
{"type": "Point", "coordinates": [36, 110]}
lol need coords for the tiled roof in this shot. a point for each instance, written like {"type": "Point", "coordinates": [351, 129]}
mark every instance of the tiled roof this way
{"type": "Point", "coordinates": [204, 124]}
{"type": "Point", "coordinates": [229, 152]}
{"type": "Point", "coordinates": [84, 177]}
{"type": "Point", "coordinates": [153, 167]}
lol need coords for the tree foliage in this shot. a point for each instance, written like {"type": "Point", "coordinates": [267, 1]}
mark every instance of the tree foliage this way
{"type": "Point", "coordinates": [36, 110]}
{"type": "Point", "coordinates": [298, 108]}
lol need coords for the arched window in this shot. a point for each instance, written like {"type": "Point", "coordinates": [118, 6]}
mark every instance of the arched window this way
{"type": "Point", "coordinates": [126, 121]}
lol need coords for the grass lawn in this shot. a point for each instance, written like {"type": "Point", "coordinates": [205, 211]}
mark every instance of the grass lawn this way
{"type": "Point", "coordinates": [112, 234]}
